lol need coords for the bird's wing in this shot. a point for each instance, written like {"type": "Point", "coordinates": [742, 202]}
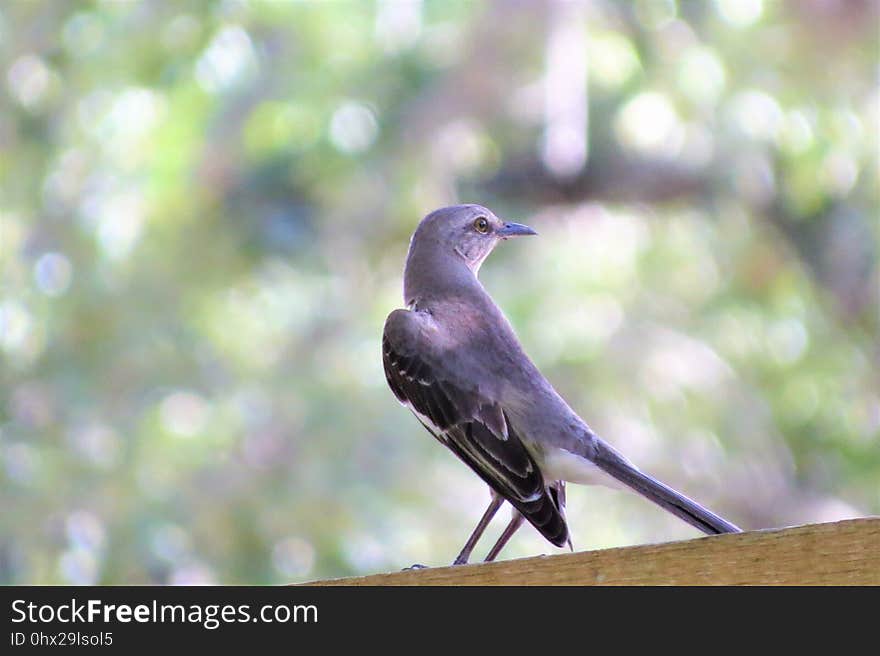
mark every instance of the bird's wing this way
{"type": "Point", "coordinates": [472, 426]}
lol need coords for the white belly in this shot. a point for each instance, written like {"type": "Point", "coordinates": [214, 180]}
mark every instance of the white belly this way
{"type": "Point", "coordinates": [561, 465]}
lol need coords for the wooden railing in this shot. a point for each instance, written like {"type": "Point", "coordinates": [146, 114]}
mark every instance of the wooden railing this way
{"type": "Point", "coordinates": [839, 553]}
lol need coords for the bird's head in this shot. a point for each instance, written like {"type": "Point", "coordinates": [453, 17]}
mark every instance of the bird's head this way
{"type": "Point", "coordinates": [469, 232]}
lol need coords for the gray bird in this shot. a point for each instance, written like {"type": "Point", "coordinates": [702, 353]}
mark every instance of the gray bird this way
{"type": "Point", "coordinates": [453, 359]}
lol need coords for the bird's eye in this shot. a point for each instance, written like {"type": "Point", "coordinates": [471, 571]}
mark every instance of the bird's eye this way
{"type": "Point", "coordinates": [481, 225]}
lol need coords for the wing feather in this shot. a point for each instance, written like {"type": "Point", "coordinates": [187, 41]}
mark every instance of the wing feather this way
{"type": "Point", "coordinates": [475, 428]}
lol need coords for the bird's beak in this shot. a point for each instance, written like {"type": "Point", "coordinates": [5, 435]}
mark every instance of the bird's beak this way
{"type": "Point", "coordinates": [515, 230]}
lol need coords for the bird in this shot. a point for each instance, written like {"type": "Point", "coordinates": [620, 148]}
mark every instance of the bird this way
{"type": "Point", "coordinates": [452, 357]}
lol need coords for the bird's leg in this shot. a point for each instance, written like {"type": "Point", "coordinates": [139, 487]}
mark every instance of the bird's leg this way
{"type": "Point", "coordinates": [465, 554]}
{"type": "Point", "coordinates": [515, 522]}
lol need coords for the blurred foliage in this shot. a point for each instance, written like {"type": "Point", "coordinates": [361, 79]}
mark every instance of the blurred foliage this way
{"type": "Point", "coordinates": [204, 212]}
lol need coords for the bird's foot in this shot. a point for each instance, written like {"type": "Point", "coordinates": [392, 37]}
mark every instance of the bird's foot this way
{"type": "Point", "coordinates": [414, 566]}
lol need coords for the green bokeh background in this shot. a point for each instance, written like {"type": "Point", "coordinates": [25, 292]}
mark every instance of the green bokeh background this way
{"type": "Point", "coordinates": [204, 210]}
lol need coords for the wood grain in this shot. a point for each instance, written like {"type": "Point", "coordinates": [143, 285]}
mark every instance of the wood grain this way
{"type": "Point", "coordinates": [839, 553]}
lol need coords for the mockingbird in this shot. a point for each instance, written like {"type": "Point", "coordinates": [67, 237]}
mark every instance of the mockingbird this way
{"type": "Point", "coordinates": [453, 359]}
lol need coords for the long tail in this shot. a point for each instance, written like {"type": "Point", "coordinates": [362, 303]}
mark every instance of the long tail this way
{"type": "Point", "coordinates": [664, 496]}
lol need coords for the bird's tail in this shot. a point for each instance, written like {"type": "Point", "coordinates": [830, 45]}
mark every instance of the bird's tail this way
{"type": "Point", "coordinates": [664, 496]}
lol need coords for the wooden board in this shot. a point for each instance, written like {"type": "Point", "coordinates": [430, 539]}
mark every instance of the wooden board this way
{"type": "Point", "coordinates": [839, 553]}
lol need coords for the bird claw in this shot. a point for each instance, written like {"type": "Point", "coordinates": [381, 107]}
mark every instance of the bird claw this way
{"type": "Point", "coordinates": [414, 566]}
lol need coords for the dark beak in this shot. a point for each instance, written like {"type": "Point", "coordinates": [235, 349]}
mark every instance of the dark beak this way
{"type": "Point", "coordinates": [515, 230]}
